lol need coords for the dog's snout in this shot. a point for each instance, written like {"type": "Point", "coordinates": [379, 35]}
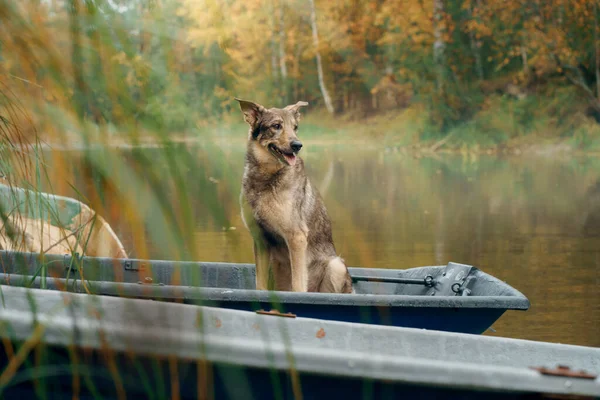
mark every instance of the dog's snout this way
{"type": "Point", "coordinates": [296, 145]}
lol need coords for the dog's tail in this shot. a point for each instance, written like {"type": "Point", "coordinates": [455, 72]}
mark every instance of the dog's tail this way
{"type": "Point", "coordinates": [336, 278]}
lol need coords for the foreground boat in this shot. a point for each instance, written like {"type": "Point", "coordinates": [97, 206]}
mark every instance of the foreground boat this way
{"type": "Point", "coordinates": [42, 222]}
{"type": "Point", "coordinates": [455, 297]}
{"type": "Point", "coordinates": [81, 346]}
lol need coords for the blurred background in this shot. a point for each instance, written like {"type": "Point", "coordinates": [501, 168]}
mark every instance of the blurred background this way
{"type": "Point", "coordinates": [437, 130]}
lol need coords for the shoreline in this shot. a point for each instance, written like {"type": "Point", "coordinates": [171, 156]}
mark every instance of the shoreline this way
{"type": "Point", "coordinates": [420, 149]}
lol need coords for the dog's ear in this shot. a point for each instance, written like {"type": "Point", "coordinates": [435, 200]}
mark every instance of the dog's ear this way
{"type": "Point", "coordinates": [252, 111]}
{"type": "Point", "coordinates": [295, 108]}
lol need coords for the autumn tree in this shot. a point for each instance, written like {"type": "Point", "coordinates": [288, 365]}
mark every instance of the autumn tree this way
{"type": "Point", "coordinates": [179, 63]}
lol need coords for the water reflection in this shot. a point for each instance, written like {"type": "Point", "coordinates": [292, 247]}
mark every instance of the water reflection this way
{"type": "Point", "coordinates": [533, 222]}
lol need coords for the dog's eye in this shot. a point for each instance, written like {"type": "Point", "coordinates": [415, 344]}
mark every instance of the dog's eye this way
{"type": "Point", "coordinates": [295, 127]}
{"type": "Point", "coordinates": [277, 126]}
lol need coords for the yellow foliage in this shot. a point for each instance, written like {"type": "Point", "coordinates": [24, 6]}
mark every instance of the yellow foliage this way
{"type": "Point", "coordinates": [372, 52]}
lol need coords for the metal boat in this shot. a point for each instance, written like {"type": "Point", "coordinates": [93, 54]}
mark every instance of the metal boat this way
{"type": "Point", "coordinates": [65, 345]}
{"type": "Point", "coordinates": [454, 297]}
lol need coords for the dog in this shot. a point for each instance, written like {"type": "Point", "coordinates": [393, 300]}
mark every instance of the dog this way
{"type": "Point", "coordinates": [290, 227]}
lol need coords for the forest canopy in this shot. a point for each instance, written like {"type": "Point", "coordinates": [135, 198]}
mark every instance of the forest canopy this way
{"type": "Point", "coordinates": [178, 65]}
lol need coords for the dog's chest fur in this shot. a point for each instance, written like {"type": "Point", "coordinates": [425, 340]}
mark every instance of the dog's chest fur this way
{"type": "Point", "coordinates": [274, 202]}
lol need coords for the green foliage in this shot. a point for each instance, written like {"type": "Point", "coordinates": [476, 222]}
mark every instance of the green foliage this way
{"type": "Point", "coordinates": [176, 65]}
{"type": "Point", "coordinates": [586, 137]}
{"type": "Point", "coordinates": [171, 110]}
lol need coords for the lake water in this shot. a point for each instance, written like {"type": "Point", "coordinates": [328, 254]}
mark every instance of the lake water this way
{"type": "Point", "coordinates": [531, 221]}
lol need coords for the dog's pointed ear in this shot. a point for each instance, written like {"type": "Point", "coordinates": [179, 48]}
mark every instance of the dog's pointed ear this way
{"type": "Point", "coordinates": [252, 111]}
{"type": "Point", "coordinates": [295, 108]}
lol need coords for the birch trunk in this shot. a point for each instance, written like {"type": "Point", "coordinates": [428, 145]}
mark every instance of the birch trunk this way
{"type": "Point", "coordinates": [315, 33]}
{"type": "Point", "coordinates": [439, 46]}
{"type": "Point", "coordinates": [296, 73]}
{"type": "Point", "coordinates": [274, 52]}
{"type": "Point", "coordinates": [282, 55]}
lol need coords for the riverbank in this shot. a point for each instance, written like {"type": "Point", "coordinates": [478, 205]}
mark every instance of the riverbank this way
{"type": "Point", "coordinates": [546, 121]}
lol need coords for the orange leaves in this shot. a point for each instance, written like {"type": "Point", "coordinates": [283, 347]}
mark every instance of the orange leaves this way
{"type": "Point", "coordinates": [264, 48]}
{"type": "Point", "coordinates": [138, 69]}
{"type": "Point", "coordinates": [479, 28]}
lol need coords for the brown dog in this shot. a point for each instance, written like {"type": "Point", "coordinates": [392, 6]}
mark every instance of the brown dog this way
{"type": "Point", "coordinates": [283, 211]}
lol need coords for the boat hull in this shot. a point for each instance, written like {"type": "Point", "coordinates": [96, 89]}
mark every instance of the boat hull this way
{"type": "Point", "coordinates": [232, 286]}
{"type": "Point", "coordinates": [100, 346]}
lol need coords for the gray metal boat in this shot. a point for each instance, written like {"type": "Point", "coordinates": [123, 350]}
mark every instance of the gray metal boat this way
{"type": "Point", "coordinates": [454, 297]}
{"type": "Point", "coordinates": [72, 345]}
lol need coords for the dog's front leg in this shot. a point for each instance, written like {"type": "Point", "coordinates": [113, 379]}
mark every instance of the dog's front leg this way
{"type": "Point", "coordinates": [262, 254]}
{"type": "Point", "coordinates": [297, 245]}
{"type": "Point", "coordinates": [262, 259]}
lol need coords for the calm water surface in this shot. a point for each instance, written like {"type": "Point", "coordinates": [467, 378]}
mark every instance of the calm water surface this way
{"type": "Point", "coordinates": [531, 221]}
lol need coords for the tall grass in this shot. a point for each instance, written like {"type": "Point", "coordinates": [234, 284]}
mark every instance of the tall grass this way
{"type": "Point", "coordinates": [55, 89]}
{"type": "Point", "coordinates": [46, 108]}
{"type": "Point", "coordinates": [46, 111]}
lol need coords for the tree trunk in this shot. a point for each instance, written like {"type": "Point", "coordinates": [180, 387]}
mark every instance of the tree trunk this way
{"type": "Point", "coordinates": [439, 46]}
{"type": "Point", "coordinates": [96, 108]}
{"type": "Point", "coordinates": [315, 34]}
{"type": "Point", "coordinates": [296, 70]}
{"type": "Point", "coordinates": [524, 60]}
{"type": "Point", "coordinates": [282, 55]}
{"type": "Point", "coordinates": [476, 47]}
{"type": "Point", "coordinates": [574, 75]}
{"type": "Point", "coordinates": [596, 49]}
{"type": "Point", "coordinates": [274, 61]}
{"type": "Point", "coordinates": [477, 54]}
{"type": "Point", "coordinates": [79, 96]}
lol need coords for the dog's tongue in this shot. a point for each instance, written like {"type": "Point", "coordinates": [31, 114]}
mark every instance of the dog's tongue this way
{"type": "Point", "coordinates": [291, 159]}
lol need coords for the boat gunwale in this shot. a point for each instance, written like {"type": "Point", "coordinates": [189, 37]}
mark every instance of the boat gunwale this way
{"type": "Point", "coordinates": [205, 294]}
{"type": "Point", "coordinates": [515, 300]}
